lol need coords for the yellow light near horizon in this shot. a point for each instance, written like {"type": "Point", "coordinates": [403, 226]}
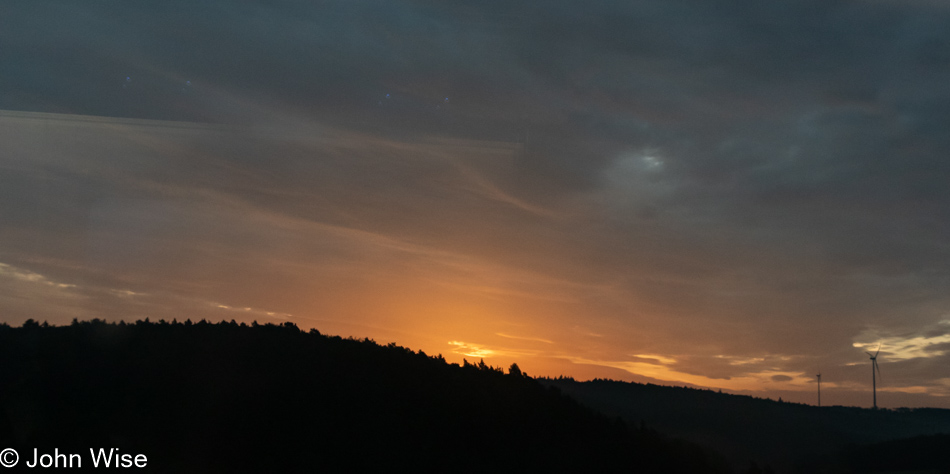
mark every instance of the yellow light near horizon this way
{"type": "Point", "coordinates": [471, 350]}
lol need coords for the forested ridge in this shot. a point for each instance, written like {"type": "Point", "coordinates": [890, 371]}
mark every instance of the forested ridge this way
{"type": "Point", "coordinates": [228, 397]}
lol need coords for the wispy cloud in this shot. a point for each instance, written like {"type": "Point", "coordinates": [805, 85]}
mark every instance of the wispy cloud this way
{"type": "Point", "coordinates": [28, 276]}
{"type": "Point", "coordinates": [471, 350]}
{"type": "Point", "coordinates": [657, 359]}
{"type": "Point", "coordinates": [908, 347]}
{"type": "Point", "coordinates": [757, 381]}
{"type": "Point", "coordinates": [524, 338]}
{"type": "Point", "coordinates": [248, 311]}
{"type": "Point", "coordinates": [737, 360]}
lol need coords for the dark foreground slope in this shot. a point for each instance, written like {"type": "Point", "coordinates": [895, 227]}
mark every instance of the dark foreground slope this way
{"type": "Point", "coordinates": [920, 454]}
{"type": "Point", "coordinates": [790, 437]}
{"type": "Point", "coordinates": [230, 398]}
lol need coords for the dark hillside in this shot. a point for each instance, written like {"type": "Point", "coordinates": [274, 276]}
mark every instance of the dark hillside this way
{"type": "Point", "coordinates": [233, 398]}
{"type": "Point", "coordinates": [920, 454]}
{"type": "Point", "coordinates": [790, 437]}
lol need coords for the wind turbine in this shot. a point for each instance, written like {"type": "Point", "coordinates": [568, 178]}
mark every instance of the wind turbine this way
{"type": "Point", "coordinates": [819, 388]}
{"type": "Point", "coordinates": [874, 367]}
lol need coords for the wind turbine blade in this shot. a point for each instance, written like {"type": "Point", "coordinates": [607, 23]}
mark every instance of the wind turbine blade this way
{"type": "Point", "coordinates": [878, 350]}
{"type": "Point", "coordinates": [872, 355]}
{"type": "Point", "coordinates": [878, 367]}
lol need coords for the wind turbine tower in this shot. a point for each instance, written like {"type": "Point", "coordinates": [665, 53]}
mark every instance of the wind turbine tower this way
{"type": "Point", "coordinates": [819, 389]}
{"type": "Point", "coordinates": [874, 368]}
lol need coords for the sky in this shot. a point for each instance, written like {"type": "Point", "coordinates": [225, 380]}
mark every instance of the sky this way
{"type": "Point", "coordinates": [729, 195]}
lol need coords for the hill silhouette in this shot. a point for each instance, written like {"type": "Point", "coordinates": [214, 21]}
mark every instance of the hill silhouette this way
{"type": "Point", "coordinates": [789, 437]}
{"type": "Point", "coordinates": [240, 398]}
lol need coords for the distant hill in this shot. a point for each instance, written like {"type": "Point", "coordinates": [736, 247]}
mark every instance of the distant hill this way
{"type": "Point", "coordinates": [272, 399]}
{"type": "Point", "coordinates": [790, 437]}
